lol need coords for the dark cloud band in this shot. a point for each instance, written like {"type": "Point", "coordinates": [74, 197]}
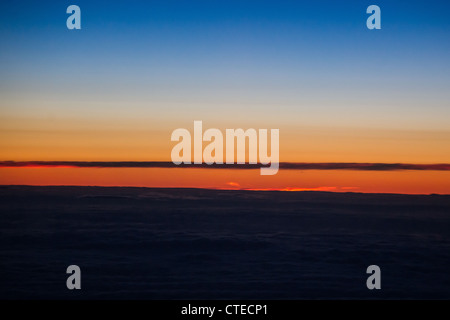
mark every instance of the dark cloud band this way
{"type": "Point", "coordinates": [283, 165]}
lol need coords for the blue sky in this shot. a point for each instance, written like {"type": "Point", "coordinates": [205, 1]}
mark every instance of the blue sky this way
{"type": "Point", "coordinates": [315, 62]}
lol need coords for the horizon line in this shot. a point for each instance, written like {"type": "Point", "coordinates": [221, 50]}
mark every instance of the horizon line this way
{"type": "Point", "coordinates": [287, 190]}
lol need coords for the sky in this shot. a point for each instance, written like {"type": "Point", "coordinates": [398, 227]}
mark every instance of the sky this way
{"type": "Point", "coordinates": [116, 89]}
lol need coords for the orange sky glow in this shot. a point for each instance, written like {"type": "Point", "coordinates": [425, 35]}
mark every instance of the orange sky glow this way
{"type": "Point", "coordinates": [402, 181]}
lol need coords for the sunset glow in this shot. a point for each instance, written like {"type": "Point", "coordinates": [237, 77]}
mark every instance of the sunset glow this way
{"type": "Point", "coordinates": [413, 182]}
{"type": "Point", "coordinates": [116, 89]}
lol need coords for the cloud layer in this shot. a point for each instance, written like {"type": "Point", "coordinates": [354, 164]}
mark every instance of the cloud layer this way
{"type": "Point", "coordinates": [283, 165]}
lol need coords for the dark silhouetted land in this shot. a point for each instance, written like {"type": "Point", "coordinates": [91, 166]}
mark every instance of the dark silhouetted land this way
{"type": "Point", "coordinates": [212, 244]}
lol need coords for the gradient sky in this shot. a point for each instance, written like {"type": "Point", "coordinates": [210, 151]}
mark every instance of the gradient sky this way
{"type": "Point", "coordinates": [116, 89]}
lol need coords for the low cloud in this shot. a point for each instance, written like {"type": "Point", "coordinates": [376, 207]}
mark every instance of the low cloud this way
{"type": "Point", "coordinates": [283, 165]}
{"type": "Point", "coordinates": [233, 184]}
